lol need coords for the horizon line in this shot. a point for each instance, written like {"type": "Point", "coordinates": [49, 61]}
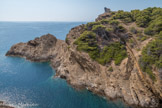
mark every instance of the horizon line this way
{"type": "Point", "coordinates": [48, 21]}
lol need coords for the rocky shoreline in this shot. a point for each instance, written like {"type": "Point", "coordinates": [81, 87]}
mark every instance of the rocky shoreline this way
{"type": "Point", "coordinates": [3, 105]}
{"type": "Point", "coordinates": [124, 81]}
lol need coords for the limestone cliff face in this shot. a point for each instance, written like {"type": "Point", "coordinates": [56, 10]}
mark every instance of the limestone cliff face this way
{"type": "Point", "coordinates": [125, 81]}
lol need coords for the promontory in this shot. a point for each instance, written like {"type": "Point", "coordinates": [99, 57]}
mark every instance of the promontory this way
{"type": "Point", "coordinates": [117, 56]}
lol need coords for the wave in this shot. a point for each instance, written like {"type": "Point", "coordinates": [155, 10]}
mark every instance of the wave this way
{"type": "Point", "coordinates": [22, 105]}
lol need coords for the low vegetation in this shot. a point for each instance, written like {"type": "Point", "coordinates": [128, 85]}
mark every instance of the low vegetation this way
{"type": "Point", "coordinates": [110, 69]}
{"type": "Point", "coordinates": [115, 51]}
{"type": "Point", "coordinates": [133, 30]}
{"type": "Point", "coordinates": [152, 56]}
{"type": "Point", "coordinates": [142, 18]}
{"type": "Point", "coordinates": [97, 28]}
{"type": "Point", "coordinates": [155, 27]}
{"type": "Point", "coordinates": [104, 21]}
{"type": "Point", "coordinates": [142, 38]}
{"type": "Point", "coordinates": [87, 42]}
{"type": "Point", "coordinates": [124, 16]}
{"type": "Point", "coordinates": [89, 25]}
{"type": "Point", "coordinates": [149, 19]}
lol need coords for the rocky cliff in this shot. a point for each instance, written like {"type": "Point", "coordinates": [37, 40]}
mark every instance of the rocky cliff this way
{"type": "Point", "coordinates": [84, 60]}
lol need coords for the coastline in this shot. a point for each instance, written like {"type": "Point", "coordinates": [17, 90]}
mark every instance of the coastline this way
{"type": "Point", "coordinates": [81, 87]}
{"type": "Point", "coordinates": [104, 95]}
{"type": "Point", "coordinates": [124, 81]}
{"type": "Point", "coordinates": [3, 105]}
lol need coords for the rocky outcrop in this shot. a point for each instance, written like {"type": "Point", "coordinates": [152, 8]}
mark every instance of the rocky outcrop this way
{"type": "Point", "coordinates": [124, 81]}
{"type": "Point", "coordinates": [104, 16]}
{"type": "Point", "coordinates": [2, 105]}
{"type": "Point", "coordinates": [35, 50]}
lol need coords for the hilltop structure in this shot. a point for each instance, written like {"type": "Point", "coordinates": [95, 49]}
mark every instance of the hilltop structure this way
{"type": "Point", "coordinates": [107, 10]}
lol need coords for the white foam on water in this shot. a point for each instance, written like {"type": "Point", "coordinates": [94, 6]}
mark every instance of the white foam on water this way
{"type": "Point", "coordinates": [22, 105]}
{"type": "Point", "coordinates": [16, 99]}
{"type": "Point", "coordinates": [7, 101]}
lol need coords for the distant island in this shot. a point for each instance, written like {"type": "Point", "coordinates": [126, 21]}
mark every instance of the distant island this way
{"type": "Point", "coordinates": [117, 56]}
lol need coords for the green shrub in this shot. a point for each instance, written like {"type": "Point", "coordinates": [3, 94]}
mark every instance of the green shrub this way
{"type": "Point", "coordinates": [90, 25]}
{"type": "Point", "coordinates": [152, 56]}
{"type": "Point", "coordinates": [66, 40]}
{"type": "Point", "coordinates": [156, 12]}
{"type": "Point", "coordinates": [110, 69]}
{"type": "Point", "coordinates": [133, 30]}
{"type": "Point", "coordinates": [121, 28]}
{"type": "Point", "coordinates": [109, 29]}
{"type": "Point", "coordinates": [135, 14]}
{"type": "Point", "coordinates": [159, 63]}
{"type": "Point", "coordinates": [104, 21]}
{"type": "Point", "coordinates": [113, 13]}
{"type": "Point", "coordinates": [143, 21]}
{"type": "Point", "coordinates": [98, 28]}
{"type": "Point", "coordinates": [147, 16]}
{"type": "Point", "coordinates": [124, 16]}
{"type": "Point", "coordinates": [114, 22]}
{"type": "Point", "coordinates": [131, 41]}
{"type": "Point", "coordinates": [149, 31]}
{"type": "Point", "coordinates": [68, 47]}
{"type": "Point", "coordinates": [155, 27]}
{"type": "Point", "coordinates": [128, 20]}
{"type": "Point", "coordinates": [142, 18]}
{"type": "Point", "coordinates": [115, 51]}
{"type": "Point", "coordinates": [87, 42]}
{"type": "Point", "coordinates": [142, 38]}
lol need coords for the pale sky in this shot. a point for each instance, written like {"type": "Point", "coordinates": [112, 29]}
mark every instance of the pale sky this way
{"type": "Point", "coordinates": [66, 10]}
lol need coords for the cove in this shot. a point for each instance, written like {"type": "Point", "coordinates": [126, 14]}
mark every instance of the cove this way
{"type": "Point", "coordinates": [25, 84]}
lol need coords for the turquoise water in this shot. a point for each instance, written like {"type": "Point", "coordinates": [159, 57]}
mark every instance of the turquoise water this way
{"type": "Point", "coordinates": [25, 84]}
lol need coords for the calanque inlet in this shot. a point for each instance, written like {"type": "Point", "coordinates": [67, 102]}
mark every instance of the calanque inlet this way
{"type": "Point", "coordinates": [117, 56]}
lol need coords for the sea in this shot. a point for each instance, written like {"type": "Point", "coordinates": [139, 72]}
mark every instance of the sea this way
{"type": "Point", "coordinates": [25, 84]}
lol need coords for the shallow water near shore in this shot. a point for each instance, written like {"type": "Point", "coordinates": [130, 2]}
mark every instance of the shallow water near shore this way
{"type": "Point", "coordinates": [25, 84]}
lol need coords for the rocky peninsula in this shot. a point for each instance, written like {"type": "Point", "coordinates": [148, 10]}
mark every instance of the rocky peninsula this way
{"type": "Point", "coordinates": [102, 56]}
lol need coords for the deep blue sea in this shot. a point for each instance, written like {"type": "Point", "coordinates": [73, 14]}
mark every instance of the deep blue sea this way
{"type": "Point", "coordinates": [25, 84]}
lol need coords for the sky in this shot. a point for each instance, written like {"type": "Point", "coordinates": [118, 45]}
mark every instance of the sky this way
{"type": "Point", "coordinates": [66, 10]}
